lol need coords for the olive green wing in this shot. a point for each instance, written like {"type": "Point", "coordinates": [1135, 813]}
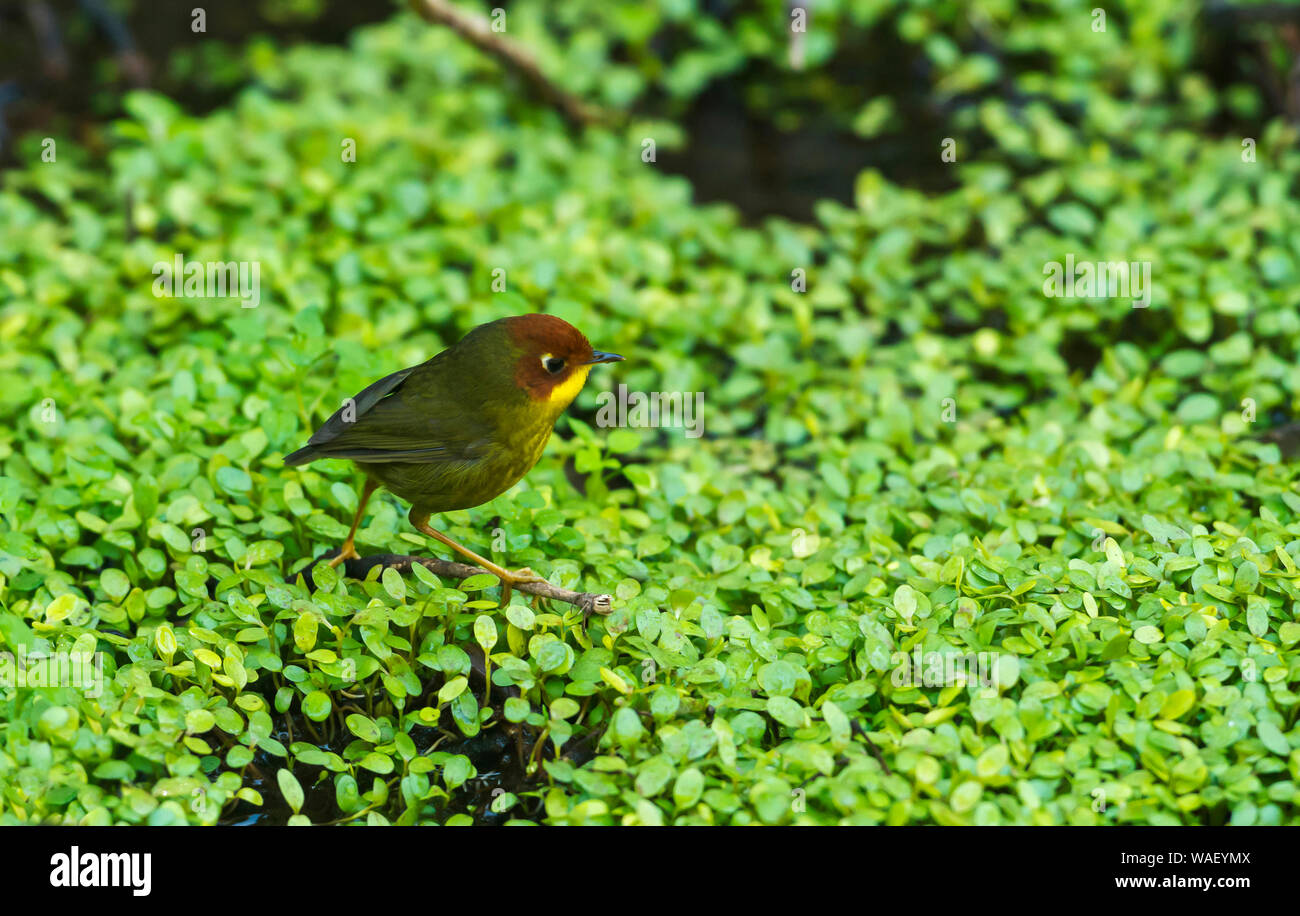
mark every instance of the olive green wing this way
{"type": "Point", "coordinates": [412, 415]}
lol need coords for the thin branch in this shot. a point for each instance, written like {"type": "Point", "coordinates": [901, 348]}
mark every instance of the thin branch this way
{"type": "Point", "coordinates": [588, 602]}
{"type": "Point", "coordinates": [861, 731]}
{"type": "Point", "coordinates": [478, 32]}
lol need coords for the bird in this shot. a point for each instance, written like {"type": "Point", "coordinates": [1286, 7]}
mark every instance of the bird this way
{"type": "Point", "coordinates": [461, 428]}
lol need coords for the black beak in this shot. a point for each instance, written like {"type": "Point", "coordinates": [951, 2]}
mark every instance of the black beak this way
{"type": "Point", "coordinates": [600, 356]}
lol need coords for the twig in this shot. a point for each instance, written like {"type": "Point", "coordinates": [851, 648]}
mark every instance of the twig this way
{"type": "Point", "coordinates": [588, 602]}
{"type": "Point", "coordinates": [859, 729]}
{"type": "Point", "coordinates": [478, 32]}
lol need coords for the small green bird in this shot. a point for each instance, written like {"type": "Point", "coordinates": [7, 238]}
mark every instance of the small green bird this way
{"type": "Point", "coordinates": [462, 428]}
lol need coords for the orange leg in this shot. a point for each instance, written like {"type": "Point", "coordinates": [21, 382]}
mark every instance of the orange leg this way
{"type": "Point", "coordinates": [420, 520]}
{"type": "Point", "coordinates": [348, 551]}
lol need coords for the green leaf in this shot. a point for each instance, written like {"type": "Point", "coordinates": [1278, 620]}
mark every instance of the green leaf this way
{"type": "Point", "coordinates": [304, 631]}
{"type": "Point", "coordinates": [363, 727]}
{"type": "Point", "coordinates": [485, 632]}
{"type": "Point", "coordinates": [290, 789]}
{"type": "Point", "coordinates": [1273, 738]}
{"type": "Point", "coordinates": [317, 706]}
{"type": "Point", "coordinates": [234, 481]}
{"type": "Point", "coordinates": [393, 584]}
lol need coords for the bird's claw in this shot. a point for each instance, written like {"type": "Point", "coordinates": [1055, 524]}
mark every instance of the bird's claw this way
{"type": "Point", "coordinates": [513, 578]}
{"type": "Point", "coordinates": [520, 576]}
{"type": "Point", "coordinates": [346, 552]}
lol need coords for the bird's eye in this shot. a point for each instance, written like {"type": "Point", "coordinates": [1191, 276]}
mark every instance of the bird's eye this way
{"type": "Point", "coordinates": [553, 364]}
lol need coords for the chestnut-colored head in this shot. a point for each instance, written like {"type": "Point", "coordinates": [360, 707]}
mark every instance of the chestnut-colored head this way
{"type": "Point", "coordinates": [553, 358]}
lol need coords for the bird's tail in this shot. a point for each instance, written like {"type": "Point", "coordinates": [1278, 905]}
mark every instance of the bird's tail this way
{"type": "Point", "coordinates": [302, 456]}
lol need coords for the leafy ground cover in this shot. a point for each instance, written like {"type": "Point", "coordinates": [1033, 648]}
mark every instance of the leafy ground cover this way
{"type": "Point", "coordinates": [910, 452]}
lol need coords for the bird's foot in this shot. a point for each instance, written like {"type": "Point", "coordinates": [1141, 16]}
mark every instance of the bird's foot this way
{"type": "Point", "coordinates": [347, 552]}
{"type": "Point", "coordinates": [513, 578]}
{"type": "Point", "coordinates": [519, 576]}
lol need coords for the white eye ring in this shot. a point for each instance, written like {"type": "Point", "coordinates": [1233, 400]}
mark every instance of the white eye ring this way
{"type": "Point", "coordinates": [552, 364]}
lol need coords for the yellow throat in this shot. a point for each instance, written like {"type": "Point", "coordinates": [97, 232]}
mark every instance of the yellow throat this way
{"type": "Point", "coordinates": [563, 394]}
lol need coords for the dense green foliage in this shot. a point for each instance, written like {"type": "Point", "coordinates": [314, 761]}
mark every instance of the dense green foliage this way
{"type": "Point", "coordinates": [921, 451]}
